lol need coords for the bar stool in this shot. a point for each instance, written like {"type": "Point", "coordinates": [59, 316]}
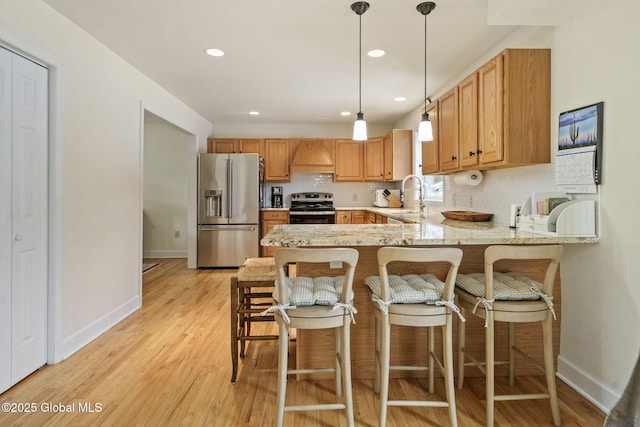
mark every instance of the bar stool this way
{"type": "Point", "coordinates": [419, 301]}
{"type": "Point", "coordinates": [251, 290]}
{"type": "Point", "coordinates": [315, 303]}
{"type": "Point", "coordinates": [514, 298]}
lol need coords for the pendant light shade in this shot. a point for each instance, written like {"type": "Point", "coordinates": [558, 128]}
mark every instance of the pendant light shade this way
{"type": "Point", "coordinates": [360, 126]}
{"type": "Point", "coordinates": [425, 130]}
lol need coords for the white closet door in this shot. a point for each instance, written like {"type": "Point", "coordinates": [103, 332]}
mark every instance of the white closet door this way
{"type": "Point", "coordinates": [5, 219]}
{"type": "Point", "coordinates": [29, 217]}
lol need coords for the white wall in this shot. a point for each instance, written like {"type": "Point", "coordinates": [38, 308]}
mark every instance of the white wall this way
{"type": "Point", "coordinates": [595, 58]}
{"type": "Point", "coordinates": [165, 191]}
{"type": "Point", "coordinates": [95, 170]}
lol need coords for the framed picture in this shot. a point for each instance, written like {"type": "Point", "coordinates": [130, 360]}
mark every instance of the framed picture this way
{"type": "Point", "coordinates": [580, 130]}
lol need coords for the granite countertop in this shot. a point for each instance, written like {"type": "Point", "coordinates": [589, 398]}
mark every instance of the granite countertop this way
{"type": "Point", "coordinates": [432, 230]}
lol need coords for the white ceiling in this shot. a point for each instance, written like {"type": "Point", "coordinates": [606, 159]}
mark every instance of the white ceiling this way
{"type": "Point", "coordinates": [294, 61]}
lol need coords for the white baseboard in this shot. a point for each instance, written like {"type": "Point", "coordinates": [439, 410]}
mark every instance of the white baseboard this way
{"type": "Point", "coordinates": [87, 334]}
{"type": "Point", "coordinates": [592, 390]}
{"type": "Point", "coordinates": [165, 254]}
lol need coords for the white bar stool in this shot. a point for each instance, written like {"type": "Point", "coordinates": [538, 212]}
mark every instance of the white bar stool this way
{"type": "Point", "coordinates": [514, 298]}
{"type": "Point", "coordinates": [419, 301]}
{"type": "Point", "coordinates": [315, 303]}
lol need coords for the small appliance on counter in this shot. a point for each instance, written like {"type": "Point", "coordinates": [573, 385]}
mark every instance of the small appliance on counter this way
{"type": "Point", "coordinates": [276, 197]}
{"type": "Point", "coordinates": [381, 198]}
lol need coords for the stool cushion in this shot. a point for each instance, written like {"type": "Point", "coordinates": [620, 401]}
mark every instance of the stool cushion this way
{"type": "Point", "coordinates": [506, 286]}
{"type": "Point", "coordinates": [306, 291]}
{"type": "Point", "coordinates": [409, 289]}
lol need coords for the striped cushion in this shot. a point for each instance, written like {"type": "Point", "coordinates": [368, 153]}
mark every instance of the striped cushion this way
{"type": "Point", "coordinates": [409, 289]}
{"type": "Point", "coordinates": [306, 291]}
{"type": "Point", "coordinates": [506, 286]}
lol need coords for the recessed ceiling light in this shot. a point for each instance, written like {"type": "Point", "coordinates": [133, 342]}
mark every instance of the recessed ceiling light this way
{"type": "Point", "coordinates": [376, 53]}
{"type": "Point", "coordinates": [254, 113]}
{"type": "Point", "coordinates": [345, 113]}
{"type": "Point", "coordinates": [214, 52]}
{"type": "Point", "coordinates": [400, 98]}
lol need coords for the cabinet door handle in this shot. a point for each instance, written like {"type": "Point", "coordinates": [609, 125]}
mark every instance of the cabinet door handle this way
{"type": "Point", "coordinates": [479, 151]}
{"type": "Point", "coordinates": [471, 153]}
{"type": "Point", "coordinates": [454, 158]}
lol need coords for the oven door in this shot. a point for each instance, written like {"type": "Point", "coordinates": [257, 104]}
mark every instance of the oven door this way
{"type": "Point", "coordinates": [301, 217]}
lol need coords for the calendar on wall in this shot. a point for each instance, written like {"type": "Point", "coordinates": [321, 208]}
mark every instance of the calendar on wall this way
{"type": "Point", "coordinates": [579, 157]}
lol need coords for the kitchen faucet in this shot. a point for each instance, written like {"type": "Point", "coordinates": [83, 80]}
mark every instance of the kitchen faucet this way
{"type": "Point", "coordinates": [421, 199]}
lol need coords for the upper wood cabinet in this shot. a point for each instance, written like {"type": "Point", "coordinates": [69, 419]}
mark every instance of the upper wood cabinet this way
{"type": "Point", "coordinates": [448, 123]}
{"type": "Point", "coordinates": [220, 145]}
{"type": "Point", "coordinates": [468, 120]}
{"type": "Point", "coordinates": [398, 154]}
{"type": "Point", "coordinates": [514, 108]}
{"type": "Point", "coordinates": [349, 160]}
{"type": "Point", "coordinates": [389, 158]}
{"type": "Point", "coordinates": [430, 162]}
{"type": "Point", "coordinates": [374, 159]}
{"type": "Point", "coordinates": [499, 116]}
{"type": "Point", "coordinates": [276, 160]}
{"type": "Point", "coordinates": [234, 145]}
{"type": "Point", "coordinates": [252, 145]}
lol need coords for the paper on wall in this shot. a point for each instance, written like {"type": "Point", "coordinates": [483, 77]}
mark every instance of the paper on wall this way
{"type": "Point", "coordinates": [575, 170]}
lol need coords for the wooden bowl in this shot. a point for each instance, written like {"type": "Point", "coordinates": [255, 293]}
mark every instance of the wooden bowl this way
{"type": "Point", "coordinates": [467, 215]}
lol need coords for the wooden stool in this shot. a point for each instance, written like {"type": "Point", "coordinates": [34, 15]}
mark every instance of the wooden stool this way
{"type": "Point", "coordinates": [513, 298]}
{"type": "Point", "coordinates": [417, 301]}
{"type": "Point", "coordinates": [247, 303]}
{"type": "Point", "coordinates": [315, 303]}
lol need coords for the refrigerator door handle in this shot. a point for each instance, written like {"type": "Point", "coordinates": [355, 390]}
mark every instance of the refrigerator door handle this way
{"type": "Point", "coordinates": [229, 187]}
{"type": "Point", "coordinates": [227, 228]}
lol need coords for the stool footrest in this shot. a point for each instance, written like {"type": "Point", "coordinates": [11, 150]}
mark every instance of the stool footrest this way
{"type": "Point", "coordinates": [310, 371]}
{"type": "Point", "coordinates": [259, 319]}
{"type": "Point", "coordinates": [521, 396]}
{"type": "Point", "coordinates": [324, 407]}
{"type": "Point", "coordinates": [427, 403]}
{"type": "Point", "coordinates": [258, 337]}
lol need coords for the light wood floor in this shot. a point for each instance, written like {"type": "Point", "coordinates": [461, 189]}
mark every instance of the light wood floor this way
{"type": "Point", "coordinates": [169, 364]}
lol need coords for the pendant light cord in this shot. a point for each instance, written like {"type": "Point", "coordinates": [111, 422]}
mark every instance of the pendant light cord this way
{"type": "Point", "coordinates": [425, 62]}
{"type": "Point", "coordinates": [360, 66]}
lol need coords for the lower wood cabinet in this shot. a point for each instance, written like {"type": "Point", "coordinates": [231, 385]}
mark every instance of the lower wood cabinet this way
{"type": "Point", "coordinates": [268, 220]}
{"type": "Point", "coordinates": [351, 217]}
{"type": "Point", "coordinates": [358, 217]}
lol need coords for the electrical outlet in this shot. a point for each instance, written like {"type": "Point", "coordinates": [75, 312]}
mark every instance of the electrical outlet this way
{"type": "Point", "coordinates": [176, 234]}
{"type": "Point", "coordinates": [335, 264]}
{"type": "Point", "coordinates": [470, 200]}
{"type": "Point", "coordinates": [355, 197]}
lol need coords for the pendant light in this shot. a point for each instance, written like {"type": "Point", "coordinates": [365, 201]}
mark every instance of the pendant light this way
{"type": "Point", "coordinates": [360, 126]}
{"type": "Point", "coordinates": [425, 130]}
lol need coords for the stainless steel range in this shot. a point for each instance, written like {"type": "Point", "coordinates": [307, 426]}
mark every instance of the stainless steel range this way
{"type": "Point", "coordinates": [312, 208]}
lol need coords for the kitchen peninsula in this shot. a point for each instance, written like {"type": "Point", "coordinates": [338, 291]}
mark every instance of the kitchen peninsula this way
{"type": "Point", "coordinates": [408, 345]}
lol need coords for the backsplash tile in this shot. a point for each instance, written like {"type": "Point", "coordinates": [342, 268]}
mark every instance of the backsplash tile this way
{"type": "Point", "coordinates": [345, 194]}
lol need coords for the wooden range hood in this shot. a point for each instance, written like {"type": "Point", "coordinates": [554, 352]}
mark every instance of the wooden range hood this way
{"type": "Point", "coordinates": [313, 156]}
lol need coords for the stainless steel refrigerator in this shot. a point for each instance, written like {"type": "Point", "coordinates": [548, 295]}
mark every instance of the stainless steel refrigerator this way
{"type": "Point", "coordinates": [228, 209]}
